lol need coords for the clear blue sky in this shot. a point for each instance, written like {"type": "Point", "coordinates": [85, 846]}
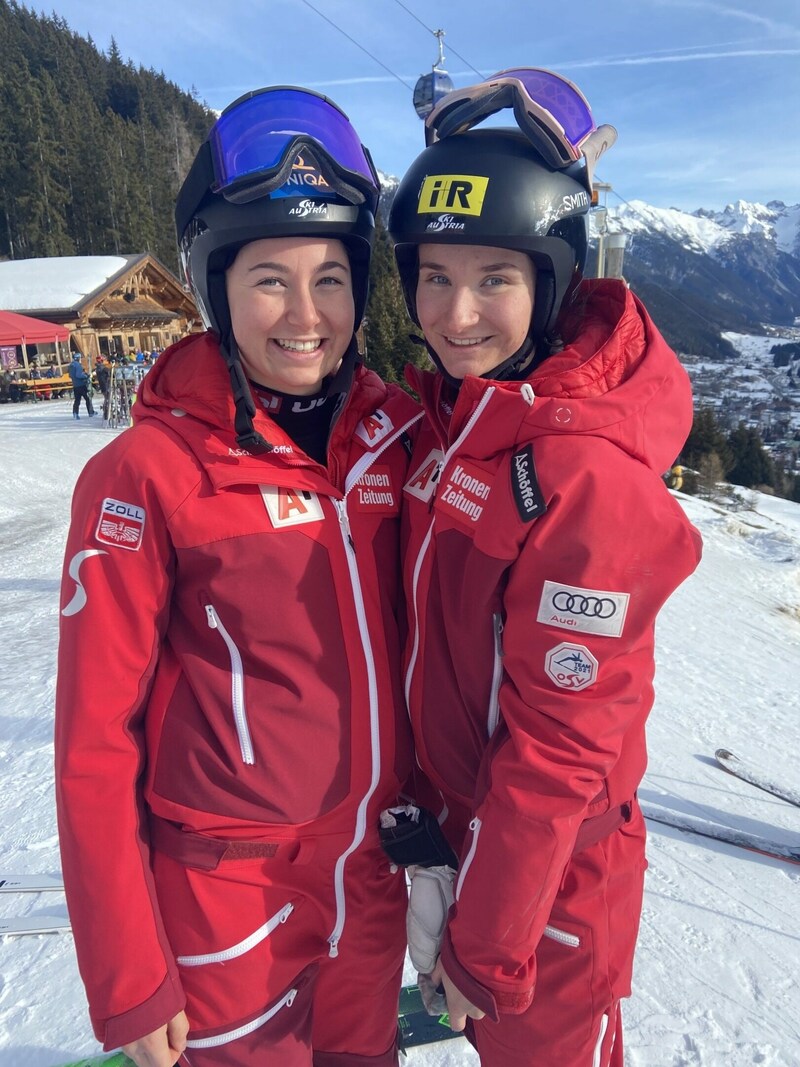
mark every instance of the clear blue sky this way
{"type": "Point", "coordinates": [705, 94]}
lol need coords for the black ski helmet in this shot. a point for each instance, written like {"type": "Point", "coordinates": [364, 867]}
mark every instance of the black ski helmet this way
{"type": "Point", "coordinates": [302, 172]}
{"type": "Point", "coordinates": [491, 187]}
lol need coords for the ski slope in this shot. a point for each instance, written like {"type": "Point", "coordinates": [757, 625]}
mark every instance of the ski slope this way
{"type": "Point", "coordinates": [717, 981]}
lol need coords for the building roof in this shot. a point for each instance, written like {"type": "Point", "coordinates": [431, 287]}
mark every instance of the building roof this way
{"type": "Point", "coordinates": [58, 283]}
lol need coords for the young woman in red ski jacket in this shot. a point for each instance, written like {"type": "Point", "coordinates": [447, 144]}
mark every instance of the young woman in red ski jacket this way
{"type": "Point", "coordinates": [541, 544]}
{"type": "Point", "coordinates": [221, 769]}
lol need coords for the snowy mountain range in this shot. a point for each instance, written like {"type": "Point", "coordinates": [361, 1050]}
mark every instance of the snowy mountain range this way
{"type": "Point", "coordinates": [705, 273]}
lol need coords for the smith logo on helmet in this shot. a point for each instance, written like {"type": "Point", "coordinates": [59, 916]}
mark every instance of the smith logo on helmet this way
{"type": "Point", "coordinates": [460, 194]}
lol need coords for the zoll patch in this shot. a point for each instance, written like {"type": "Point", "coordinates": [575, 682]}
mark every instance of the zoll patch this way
{"type": "Point", "coordinates": [120, 524]}
{"type": "Point", "coordinates": [571, 666]}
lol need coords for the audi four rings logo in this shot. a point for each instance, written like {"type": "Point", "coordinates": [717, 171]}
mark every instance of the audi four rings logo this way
{"type": "Point", "coordinates": [592, 611]}
{"type": "Point", "coordinates": [596, 607]}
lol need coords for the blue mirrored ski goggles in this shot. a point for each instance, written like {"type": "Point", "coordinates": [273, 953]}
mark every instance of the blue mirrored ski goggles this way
{"type": "Point", "coordinates": [257, 138]}
{"type": "Point", "coordinates": [551, 111]}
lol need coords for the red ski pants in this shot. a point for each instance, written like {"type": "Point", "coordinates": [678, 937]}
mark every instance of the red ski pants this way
{"type": "Point", "coordinates": [251, 940]}
{"type": "Point", "coordinates": [574, 1019]}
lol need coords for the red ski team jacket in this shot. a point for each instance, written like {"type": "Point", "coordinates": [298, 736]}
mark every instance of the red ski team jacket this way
{"type": "Point", "coordinates": [542, 543]}
{"type": "Point", "coordinates": [244, 677]}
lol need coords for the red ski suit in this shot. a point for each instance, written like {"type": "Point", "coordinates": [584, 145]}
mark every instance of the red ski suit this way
{"type": "Point", "coordinates": [224, 751]}
{"type": "Point", "coordinates": [541, 544]}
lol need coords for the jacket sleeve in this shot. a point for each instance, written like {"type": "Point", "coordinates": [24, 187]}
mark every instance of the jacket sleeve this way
{"type": "Point", "coordinates": [565, 722]}
{"type": "Point", "coordinates": [118, 574]}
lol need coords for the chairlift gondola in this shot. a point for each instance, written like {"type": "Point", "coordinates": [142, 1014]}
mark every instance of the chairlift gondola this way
{"type": "Point", "coordinates": [430, 88]}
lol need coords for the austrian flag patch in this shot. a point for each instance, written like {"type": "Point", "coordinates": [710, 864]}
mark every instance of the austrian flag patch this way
{"type": "Point", "coordinates": [120, 524]}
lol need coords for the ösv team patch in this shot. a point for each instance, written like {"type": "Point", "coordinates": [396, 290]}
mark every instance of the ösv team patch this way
{"type": "Point", "coordinates": [121, 524]}
{"type": "Point", "coordinates": [571, 666]}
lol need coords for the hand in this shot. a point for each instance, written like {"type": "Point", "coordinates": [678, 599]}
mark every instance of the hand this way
{"type": "Point", "coordinates": [163, 1048]}
{"type": "Point", "coordinates": [458, 1007]}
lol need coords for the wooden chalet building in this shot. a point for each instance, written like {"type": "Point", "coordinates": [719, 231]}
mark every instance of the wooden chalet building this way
{"type": "Point", "coordinates": [112, 305]}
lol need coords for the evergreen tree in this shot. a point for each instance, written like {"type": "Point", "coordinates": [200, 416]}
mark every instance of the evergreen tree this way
{"type": "Point", "coordinates": [751, 466]}
{"type": "Point", "coordinates": [387, 325]}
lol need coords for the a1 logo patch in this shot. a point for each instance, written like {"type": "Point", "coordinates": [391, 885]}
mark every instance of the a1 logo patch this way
{"type": "Point", "coordinates": [291, 507]}
{"type": "Point", "coordinates": [374, 428]}
{"type": "Point", "coordinates": [422, 482]}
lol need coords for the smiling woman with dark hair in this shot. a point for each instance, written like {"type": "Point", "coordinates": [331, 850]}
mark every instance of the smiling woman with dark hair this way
{"type": "Point", "coordinates": [218, 800]}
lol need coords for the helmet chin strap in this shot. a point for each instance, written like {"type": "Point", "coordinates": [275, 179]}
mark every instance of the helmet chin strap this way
{"type": "Point", "coordinates": [247, 436]}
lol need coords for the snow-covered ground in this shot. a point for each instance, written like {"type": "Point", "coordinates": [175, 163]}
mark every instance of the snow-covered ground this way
{"type": "Point", "coordinates": [717, 982]}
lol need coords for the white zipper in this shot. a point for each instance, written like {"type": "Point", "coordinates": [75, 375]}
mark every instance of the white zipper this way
{"type": "Point", "coordinates": [497, 675]}
{"type": "Point", "coordinates": [562, 936]}
{"type": "Point", "coordinates": [356, 472]}
{"type": "Point", "coordinates": [412, 662]}
{"type": "Point", "coordinates": [237, 687]}
{"type": "Point", "coordinates": [248, 1028]}
{"type": "Point", "coordinates": [475, 826]}
{"type": "Point", "coordinates": [243, 946]}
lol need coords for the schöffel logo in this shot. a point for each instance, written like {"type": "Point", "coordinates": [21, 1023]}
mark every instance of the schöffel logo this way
{"type": "Point", "coordinates": [459, 194]}
{"type": "Point", "coordinates": [525, 486]}
{"type": "Point", "coordinates": [591, 611]}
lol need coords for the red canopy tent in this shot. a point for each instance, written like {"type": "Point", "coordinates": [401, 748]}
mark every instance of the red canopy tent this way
{"type": "Point", "coordinates": [22, 330]}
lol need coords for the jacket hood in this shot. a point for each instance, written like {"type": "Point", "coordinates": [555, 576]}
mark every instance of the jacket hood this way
{"type": "Point", "coordinates": [615, 378]}
{"type": "Point", "coordinates": [191, 378]}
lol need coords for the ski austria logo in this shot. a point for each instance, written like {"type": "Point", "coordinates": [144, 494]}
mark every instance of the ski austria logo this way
{"type": "Point", "coordinates": [571, 666]}
{"type": "Point", "coordinates": [423, 481]}
{"type": "Point", "coordinates": [311, 208]}
{"type": "Point", "coordinates": [121, 524]}
{"type": "Point", "coordinates": [78, 602]}
{"type": "Point", "coordinates": [457, 194]}
{"type": "Point", "coordinates": [464, 492]}
{"type": "Point", "coordinates": [290, 507]}
{"type": "Point", "coordinates": [592, 611]}
{"type": "Point", "coordinates": [374, 428]}
{"type": "Point", "coordinates": [444, 222]}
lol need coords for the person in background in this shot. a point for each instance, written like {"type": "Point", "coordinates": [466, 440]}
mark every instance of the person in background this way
{"type": "Point", "coordinates": [102, 373]}
{"type": "Point", "coordinates": [81, 387]}
{"type": "Point", "coordinates": [541, 544]}
{"type": "Point", "coordinates": [238, 548]}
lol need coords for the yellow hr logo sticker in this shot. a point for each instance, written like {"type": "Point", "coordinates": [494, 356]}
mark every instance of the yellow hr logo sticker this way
{"type": "Point", "coordinates": [460, 194]}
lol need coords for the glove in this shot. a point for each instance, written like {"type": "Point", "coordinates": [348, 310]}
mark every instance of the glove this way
{"type": "Point", "coordinates": [428, 904]}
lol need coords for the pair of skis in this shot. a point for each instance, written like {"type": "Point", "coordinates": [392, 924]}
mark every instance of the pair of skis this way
{"type": "Point", "coordinates": [747, 771]}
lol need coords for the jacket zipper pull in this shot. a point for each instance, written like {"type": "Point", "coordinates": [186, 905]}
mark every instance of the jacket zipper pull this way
{"type": "Point", "coordinates": [344, 521]}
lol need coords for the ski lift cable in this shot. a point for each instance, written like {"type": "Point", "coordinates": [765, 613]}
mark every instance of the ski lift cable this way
{"type": "Point", "coordinates": [356, 43]}
{"type": "Point", "coordinates": [419, 20]}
